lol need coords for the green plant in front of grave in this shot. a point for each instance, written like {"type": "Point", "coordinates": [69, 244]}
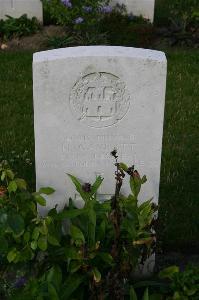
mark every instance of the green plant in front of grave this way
{"type": "Point", "coordinates": [183, 285]}
{"type": "Point", "coordinates": [25, 237]}
{"type": "Point", "coordinates": [77, 253]}
{"type": "Point", "coordinates": [172, 284]}
{"type": "Point", "coordinates": [105, 242]}
{"type": "Point", "coordinates": [17, 27]}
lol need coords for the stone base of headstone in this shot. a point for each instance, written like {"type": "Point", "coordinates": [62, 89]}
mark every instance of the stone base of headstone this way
{"type": "Point", "coordinates": [17, 8]}
{"type": "Point", "coordinates": [144, 8]}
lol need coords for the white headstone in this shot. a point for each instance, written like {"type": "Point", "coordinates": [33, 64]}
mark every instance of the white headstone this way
{"type": "Point", "coordinates": [17, 8]}
{"type": "Point", "coordinates": [89, 100]}
{"type": "Point", "coordinates": [138, 7]}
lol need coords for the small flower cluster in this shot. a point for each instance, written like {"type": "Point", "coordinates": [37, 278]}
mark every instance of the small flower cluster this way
{"type": "Point", "coordinates": [67, 3]}
{"type": "Point", "coordinates": [106, 9]}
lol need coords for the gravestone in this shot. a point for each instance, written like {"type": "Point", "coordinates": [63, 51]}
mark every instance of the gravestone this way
{"type": "Point", "coordinates": [138, 7]}
{"type": "Point", "coordinates": [90, 100]}
{"type": "Point", "coordinates": [17, 8]}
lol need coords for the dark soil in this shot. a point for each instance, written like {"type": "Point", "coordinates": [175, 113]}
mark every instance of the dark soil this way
{"type": "Point", "coordinates": [37, 41]}
{"type": "Point", "coordinates": [160, 37]}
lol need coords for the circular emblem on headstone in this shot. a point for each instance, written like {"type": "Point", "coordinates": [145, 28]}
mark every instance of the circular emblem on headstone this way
{"type": "Point", "coordinates": [99, 99]}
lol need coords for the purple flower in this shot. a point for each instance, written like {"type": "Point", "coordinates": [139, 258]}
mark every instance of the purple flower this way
{"type": "Point", "coordinates": [21, 281]}
{"type": "Point", "coordinates": [67, 3]}
{"type": "Point", "coordinates": [87, 9]}
{"type": "Point", "coordinates": [79, 20]}
{"type": "Point", "coordinates": [106, 9]}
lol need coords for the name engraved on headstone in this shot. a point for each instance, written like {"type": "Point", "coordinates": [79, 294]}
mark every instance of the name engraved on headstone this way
{"type": "Point", "coordinates": [98, 147]}
{"type": "Point", "coordinates": [99, 99]}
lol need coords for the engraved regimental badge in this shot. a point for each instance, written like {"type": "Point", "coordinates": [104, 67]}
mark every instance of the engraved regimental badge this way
{"type": "Point", "coordinates": [99, 99]}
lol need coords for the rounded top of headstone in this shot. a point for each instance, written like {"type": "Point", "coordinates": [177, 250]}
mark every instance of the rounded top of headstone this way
{"type": "Point", "coordinates": [99, 51]}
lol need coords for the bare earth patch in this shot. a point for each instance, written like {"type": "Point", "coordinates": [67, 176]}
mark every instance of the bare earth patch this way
{"type": "Point", "coordinates": [35, 42]}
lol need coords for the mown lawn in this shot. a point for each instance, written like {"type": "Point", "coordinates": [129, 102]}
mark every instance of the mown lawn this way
{"type": "Point", "coordinates": [179, 200]}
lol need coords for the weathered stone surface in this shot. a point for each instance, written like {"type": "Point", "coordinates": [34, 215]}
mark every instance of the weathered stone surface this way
{"type": "Point", "coordinates": [16, 8]}
{"type": "Point", "coordinates": [88, 100]}
{"type": "Point", "coordinates": [139, 7]}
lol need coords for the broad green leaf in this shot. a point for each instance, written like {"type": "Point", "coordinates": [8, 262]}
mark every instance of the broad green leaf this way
{"type": "Point", "coordinates": [123, 166]}
{"type": "Point", "coordinates": [168, 272]}
{"type": "Point", "coordinates": [46, 190]}
{"type": "Point", "coordinates": [76, 233]}
{"type": "Point", "coordinates": [101, 230]}
{"type": "Point", "coordinates": [35, 234]}
{"type": "Point", "coordinates": [129, 226]}
{"type": "Point", "coordinates": [132, 294]}
{"type": "Point", "coordinates": [133, 200]}
{"type": "Point", "coordinates": [97, 275]}
{"type": "Point", "coordinates": [146, 204]}
{"type": "Point", "coordinates": [135, 184]}
{"type": "Point", "coordinates": [146, 295]}
{"type": "Point", "coordinates": [42, 243]}
{"type": "Point", "coordinates": [70, 214]}
{"type": "Point", "coordinates": [73, 253]}
{"type": "Point", "coordinates": [106, 257]}
{"type": "Point", "coordinates": [10, 174]}
{"type": "Point", "coordinates": [52, 292]}
{"type": "Point", "coordinates": [92, 216]}
{"type": "Point", "coordinates": [55, 276]}
{"type": "Point", "coordinates": [43, 229]}
{"type": "Point", "coordinates": [177, 296]}
{"type": "Point", "coordinates": [96, 185]}
{"type": "Point", "coordinates": [74, 266]}
{"type": "Point", "coordinates": [40, 200]}
{"type": "Point", "coordinates": [26, 236]}
{"type": "Point", "coordinates": [143, 241]}
{"type": "Point", "coordinates": [16, 224]}
{"type": "Point", "coordinates": [91, 226]}
{"type": "Point", "coordinates": [48, 220]}
{"type": "Point", "coordinates": [143, 179]}
{"type": "Point", "coordinates": [3, 175]}
{"type": "Point", "coordinates": [85, 196]}
{"type": "Point", "coordinates": [12, 255]}
{"type": "Point", "coordinates": [53, 241]}
{"type": "Point", "coordinates": [33, 245]}
{"type": "Point", "coordinates": [53, 212]}
{"type": "Point", "coordinates": [21, 183]}
{"type": "Point", "coordinates": [12, 186]}
{"type": "Point", "coordinates": [145, 214]}
{"type": "Point", "coordinates": [71, 285]}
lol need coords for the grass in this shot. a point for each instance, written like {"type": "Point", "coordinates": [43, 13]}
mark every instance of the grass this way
{"type": "Point", "coordinates": [179, 199]}
{"type": "Point", "coordinates": [179, 206]}
{"type": "Point", "coordinates": [16, 110]}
